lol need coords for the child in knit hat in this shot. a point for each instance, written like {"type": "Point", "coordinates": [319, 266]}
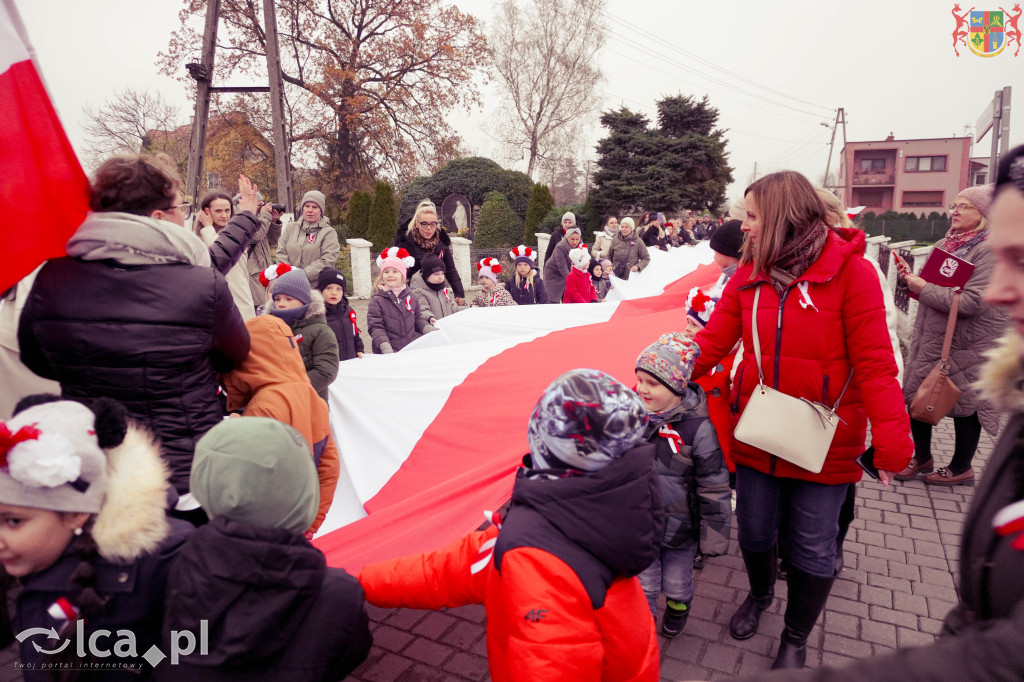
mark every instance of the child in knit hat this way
{"type": "Point", "coordinates": [578, 287]}
{"type": "Point", "coordinates": [692, 474]}
{"type": "Point", "coordinates": [340, 317]}
{"type": "Point", "coordinates": [83, 499]}
{"type": "Point", "coordinates": [525, 285]}
{"type": "Point", "coordinates": [302, 309]}
{"type": "Point", "coordinates": [394, 317]}
{"type": "Point", "coordinates": [558, 581]}
{"type": "Point", "coordinates": [491, 294]}
{"type": "Point", "coordinates": [274, 610]}
{"type": "Point", "coordinates": [597, 278]}
{"type": "Point", "coordinates": [430, 287]}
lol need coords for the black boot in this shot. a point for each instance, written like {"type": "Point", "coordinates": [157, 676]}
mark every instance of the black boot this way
{"type": "Point", "coordinates": [807, 596]}
{"type": "Point", "coordinates": [761, 574]}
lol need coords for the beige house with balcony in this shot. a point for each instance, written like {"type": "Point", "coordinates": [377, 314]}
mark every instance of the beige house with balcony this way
{"type": "Point", "coordinates": [918, 176]}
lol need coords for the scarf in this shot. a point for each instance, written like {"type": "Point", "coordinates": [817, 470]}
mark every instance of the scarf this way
{"type": "Point", "coordinates": [436, 287]}
{"type": "Point", "coordinates": [130, 239]}
{"type": "Point", "coordinates": [610, 232]}
{"type": "Point", "coordinates": [427, 245]}
{"type": "Point", "coordinates": [798, 253]}
{"type": "Point", "coordinates": [957, 240]}
{"type": "Point", "coordinates": [290, 315]}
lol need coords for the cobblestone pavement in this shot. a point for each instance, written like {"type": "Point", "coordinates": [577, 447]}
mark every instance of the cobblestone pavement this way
{"type": "Point", "coordinates": [901, 556]}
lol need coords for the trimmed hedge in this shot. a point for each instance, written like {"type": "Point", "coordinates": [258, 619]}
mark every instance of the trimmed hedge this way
{"type": "Point", "coordinates": [358, 217]}
{"type": "Point", "coordinates": [383, 217]}
{"type": "Point", "coordinates": [541, 202]}
{"type": "Point", "coordinates": [498, 225]}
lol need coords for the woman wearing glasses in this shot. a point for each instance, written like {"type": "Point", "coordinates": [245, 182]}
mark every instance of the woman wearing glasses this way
{"type": "Point", "coordinates": [135, 312]}
{"type": "Point", "coordinates": [310, 243]}
{"type": "Point", "coordinates": [978, 327]}
{"type": "Point", "coordinates": [425, 236]}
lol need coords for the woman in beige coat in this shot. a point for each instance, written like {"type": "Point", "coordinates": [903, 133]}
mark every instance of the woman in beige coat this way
{"type": "Point", "coordinates": [310, 243]}
{"type": "Point", "coordinates": [978, 328]}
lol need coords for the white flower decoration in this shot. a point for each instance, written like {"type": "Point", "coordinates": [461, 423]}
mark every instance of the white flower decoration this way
{"type": "Point", "coordinates": [44, 462]}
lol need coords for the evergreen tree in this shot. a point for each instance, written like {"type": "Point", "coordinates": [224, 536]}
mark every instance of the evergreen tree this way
{"type": "Point", "coordinates": [383, 216]}
{"type": "Point", "coordinates": [498, 224]}
{"type": "Point", "coordinates": [681, 163]}
{"type": "Point", "coordinates": [357, 220]}
{"type": "Point", "coordinates": [541, 202]}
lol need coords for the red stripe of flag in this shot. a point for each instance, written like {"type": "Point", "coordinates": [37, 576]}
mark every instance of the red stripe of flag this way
{"type": "Point", "coordinates": [464, 462]}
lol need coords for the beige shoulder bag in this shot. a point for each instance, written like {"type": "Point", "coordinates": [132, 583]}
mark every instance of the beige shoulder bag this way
{"type": "Point", "coordinates": [794, 429]}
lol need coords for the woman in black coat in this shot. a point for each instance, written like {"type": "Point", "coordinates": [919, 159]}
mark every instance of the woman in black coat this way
{"type": "Point", "coordinates": [136, 313]}
{"type": "Point", "coordinates": [424, 235]}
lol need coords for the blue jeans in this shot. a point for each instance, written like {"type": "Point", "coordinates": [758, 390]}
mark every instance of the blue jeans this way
{"type": "Point", "coordinates": [813, 518]}
{"type": "Point", "coordinates": [671, 573]}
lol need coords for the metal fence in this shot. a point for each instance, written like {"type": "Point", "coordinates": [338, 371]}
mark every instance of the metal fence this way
{"type": "Point", "coordinates": [902, 294]}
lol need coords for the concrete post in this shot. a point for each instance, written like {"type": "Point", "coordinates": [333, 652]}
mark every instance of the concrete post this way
{"type": "Point", "coordinates": [543, 238]}
{"type": "Point", "coordinates": [871, 250]}
{"type": "Point", "coordinates": [461, 255]}
{"type": "Point", "coordinates": [362, 278]}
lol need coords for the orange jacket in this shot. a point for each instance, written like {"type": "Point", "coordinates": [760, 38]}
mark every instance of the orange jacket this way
{"type": "Point", "coordinates": [566, 640]}
{"type": "Point", "coordinates": [272, 382]}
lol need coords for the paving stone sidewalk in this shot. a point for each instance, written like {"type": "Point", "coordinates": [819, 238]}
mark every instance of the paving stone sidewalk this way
{"type": "Point", "coordinates": [902, 556]}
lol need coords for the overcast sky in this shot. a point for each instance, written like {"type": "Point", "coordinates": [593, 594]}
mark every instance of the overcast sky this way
{"type": "Point", "coordinates": [891, 65]}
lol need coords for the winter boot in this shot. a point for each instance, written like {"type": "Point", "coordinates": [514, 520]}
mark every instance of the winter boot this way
{"type": "Point", "coordinates": [807, 596]}
{"type": "Point", "coordinates": [674, 620]}
{"type": "Point", "coordinates": [761, 574]}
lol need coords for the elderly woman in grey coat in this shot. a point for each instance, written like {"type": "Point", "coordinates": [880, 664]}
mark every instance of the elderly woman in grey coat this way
{"type": "Point", "coordinates": [978, 328]}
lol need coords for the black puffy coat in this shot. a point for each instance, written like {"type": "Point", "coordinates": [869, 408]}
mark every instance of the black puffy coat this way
{"type": "Point", "coordinates": [274, 608]}
{"type": "Point", "coordinates": [152, 336]}
{"type": "Point", "coordinates": [443, 250]}
{"type": "Point", "coordinates": [527, 294]}
{"type": "Point", "coordinates": [342, 321]}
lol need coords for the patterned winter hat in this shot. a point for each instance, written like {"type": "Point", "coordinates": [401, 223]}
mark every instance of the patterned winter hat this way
{"type": "Point", "coordinates": [273, 272]}
{"type": "Point", "coordinates": [488, 267]}
{"type": "Point", "coordinates": [522, 254]}
{"type": "Point", "coordinates": [585, 420]}
{"type": "Point", "coordinates": [579, 256]}
{"type": "Point", "coordinates": [295, 284]}
{"type": "Point", "coordinates": [397, 258]}
{"type": "Point", "coordinates": [50, 458]}
{"type": "Point", "coordinates": [699, 306]}
{"type": "Point", "coordinates": [670, 360]}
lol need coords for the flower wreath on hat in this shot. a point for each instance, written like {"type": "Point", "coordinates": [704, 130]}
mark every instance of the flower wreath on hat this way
{"type": "Point", "coordinates": [701, 304]}
{"type": "Point", "coordinates": [492, 264]}
{"type": "Point", "coordinates": [523, 252]}
{"type": "Point", "coordinates": [395, 252]}
{"type": "Point", "coordinates": [273, 272]}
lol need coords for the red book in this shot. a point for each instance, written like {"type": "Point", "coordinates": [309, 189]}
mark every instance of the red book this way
{"type": "Point", "coordinates": [945, 270]}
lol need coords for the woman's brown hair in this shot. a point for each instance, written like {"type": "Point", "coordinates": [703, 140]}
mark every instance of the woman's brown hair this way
{"type": "Point", "coordinates": [788, 206]}
{"type": "Point", "coordinates": [137, 183]}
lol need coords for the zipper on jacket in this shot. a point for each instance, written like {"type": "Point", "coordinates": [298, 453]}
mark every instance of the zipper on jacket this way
{"type": "Point", "coordinates": [778, 338]}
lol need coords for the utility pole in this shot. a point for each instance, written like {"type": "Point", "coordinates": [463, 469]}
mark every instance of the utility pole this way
{"type": "Point", "coordinates": [203, 75]}
{"type": "Point", "coordinates": [282, 163]}
{"type": "Point", "coordinates": [840, 118]}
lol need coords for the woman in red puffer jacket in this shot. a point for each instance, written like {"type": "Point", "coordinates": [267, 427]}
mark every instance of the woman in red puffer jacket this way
{"type": "Point", "coordinates": [821, 322]}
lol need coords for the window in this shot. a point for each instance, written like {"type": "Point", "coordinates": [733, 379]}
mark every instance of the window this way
{"type": "Point", "coordinates": [926, 164]}
{"type": "Point", "coordinates": [923, 198]}
{"type": "Point", "coordinates": [869, 197]}
{"type": "Point", "coordinates": [872, 165]}
{"type": "Point", "coordinates": [979, 179]}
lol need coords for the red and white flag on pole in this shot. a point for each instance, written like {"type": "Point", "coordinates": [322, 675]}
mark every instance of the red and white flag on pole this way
{"type": "Point", "coordinates": [41, 181]}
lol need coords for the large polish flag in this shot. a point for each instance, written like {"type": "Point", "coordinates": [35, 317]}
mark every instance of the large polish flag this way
{"type": "Point", "coordinates": [40, 177]}
{"type": "Point", "coordinates": [430, 437]}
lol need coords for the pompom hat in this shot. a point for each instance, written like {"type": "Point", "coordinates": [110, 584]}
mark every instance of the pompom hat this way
{"type": "Point", "coordinates": [670, 360]}
{"type": "Point", "coordinates": [488, 267]}
{"type": "Point", "coordinates": [397, 258]}
{"type": "Point", "coordinates": [50, 459]}
{"type": "Point", "coordinates": [579, 257]}
{"type": "Point", "coordinates": [273, 272]}
{"type": "Point", "coordinates": [295, 284]}
{"type": "Point", "coordinates": [585, 420]}
{"type": "Point", "coordinates": [699, 306]}
{"type": "Point", "coordinates": [523, 254]}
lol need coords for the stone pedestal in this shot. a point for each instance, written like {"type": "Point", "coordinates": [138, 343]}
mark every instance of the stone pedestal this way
{"type": "Point", "coordinates": [543, 238]}
{"type": "Point", "coordinates": [462, 256]}
{"type": "Point", "coordinates": [871, 250]}
{"type": "Point", "coordinates": [362, 279]}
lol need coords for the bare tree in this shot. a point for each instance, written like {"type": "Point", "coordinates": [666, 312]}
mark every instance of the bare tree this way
{"type": "Point", "coordinates": [124, 123]}
{"type": "Point", "coordinates": [545, 54]}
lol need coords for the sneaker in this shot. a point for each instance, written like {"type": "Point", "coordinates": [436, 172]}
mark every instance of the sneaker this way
{"type": "Point", "coordinates": [698, 560]}
{"type": "Point", "coordinates": [674, 620]}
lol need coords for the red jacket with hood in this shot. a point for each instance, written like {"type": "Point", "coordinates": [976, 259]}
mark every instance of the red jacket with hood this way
{"type": "Point", "coordinates": [830, 321]}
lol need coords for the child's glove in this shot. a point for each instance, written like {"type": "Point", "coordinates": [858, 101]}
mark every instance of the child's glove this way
{"type": "Point", "coordinates": [386, 348]}
{"type": "Point", "coordinates": [429, 328]}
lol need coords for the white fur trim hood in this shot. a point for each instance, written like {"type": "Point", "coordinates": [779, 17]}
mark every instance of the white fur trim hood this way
{"type": "Point", "coordinates": [133, 519]}
{"type": "Point", "coordinates": [1002, 378]}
